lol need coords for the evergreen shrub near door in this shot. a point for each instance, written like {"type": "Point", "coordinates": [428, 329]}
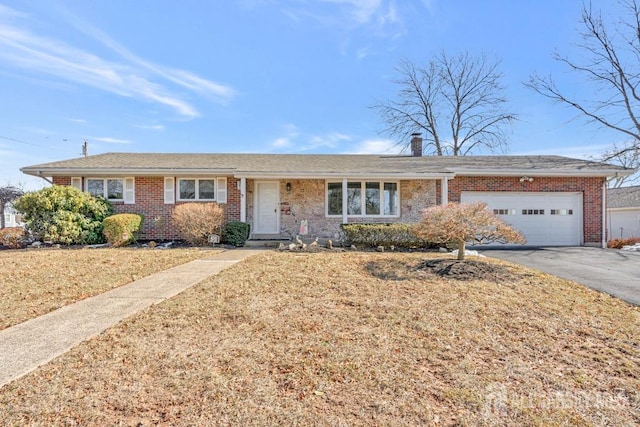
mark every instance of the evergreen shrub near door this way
{"type": "Point", "coordinates": [400, 235]}
{"type": "Point", "coordinates": [236, 233]}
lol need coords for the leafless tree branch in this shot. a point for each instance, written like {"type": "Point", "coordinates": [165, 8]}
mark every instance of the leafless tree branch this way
{"type": "Point", "coordinates": [612, 67]}
{"type": "Point", "coordinates": [456, 102]}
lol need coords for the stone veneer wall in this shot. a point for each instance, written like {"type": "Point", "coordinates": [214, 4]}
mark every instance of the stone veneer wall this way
{"type": "Point", "coordinates": [306, 201]}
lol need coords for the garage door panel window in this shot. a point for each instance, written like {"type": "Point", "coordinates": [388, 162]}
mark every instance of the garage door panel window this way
{"type": "Point", "coordinates": [561, 211]}
{"type": "Point", "coordinates": [505, 211]}
{"type": "Point", "coordinates": [532, 211]}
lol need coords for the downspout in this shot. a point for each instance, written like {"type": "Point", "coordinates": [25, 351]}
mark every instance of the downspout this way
{"type": "Point", "coordinates": [604, 213]}
{"type": "Point", "coordinates": [50, 181]}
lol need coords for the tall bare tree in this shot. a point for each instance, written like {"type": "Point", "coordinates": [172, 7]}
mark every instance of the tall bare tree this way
{"type": "Point", "coordinates": [609, 65]}
{"type": "Point", "coordinates": [7, 195]}
{"type": "Point", "coordinates": [457, 103]}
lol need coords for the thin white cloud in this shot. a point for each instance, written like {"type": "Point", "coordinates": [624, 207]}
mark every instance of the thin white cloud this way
{"type": "Point", "coordinates": [329, 140]}
{"type": "Point", "coordinates": [361, 11]}
{"type": "Point", "coordinates": [131, 77]}
{"type": "Point", "coordinates": [281, 142]}
{"type": "Point", "coordinates": [379, 18]}
{"type": "Point", "coordinates": [293, 140]}
{"type": "Point", "coordinates": [287, 140]}
{"type": "Point", "coordinates": [375, 146]}
{"type": "Point", "coordinates": [182, 78]}
{"type": "Point", "coordinates": [151, 127]}
{"type": "Point", "coordinates": [110, 140]}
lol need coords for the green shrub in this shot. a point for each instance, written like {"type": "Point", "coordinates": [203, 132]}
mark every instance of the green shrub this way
{"type": "Point", "coordinates": [400, 235]}
{"type": "Point", "coordinates": [619, 243]}
{"type": "Point", "coordinates": [236, 233]}
{"type": "Point", "coordinates": [63, 214]}
{"type": "Point", "coordinates": [12, 237]}
{"type": "Point", "coordinates": [197, 221]}
{"type": "Point", "coordinates": [121, 229]}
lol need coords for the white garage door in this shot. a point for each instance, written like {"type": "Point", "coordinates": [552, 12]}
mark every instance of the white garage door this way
{"type": "Point", "coordinates": [545, 219]}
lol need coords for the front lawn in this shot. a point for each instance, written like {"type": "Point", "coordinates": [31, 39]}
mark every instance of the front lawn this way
{"type": "Point", "coordinates": [351, 339]}
{"type": "Point", "coordinates": [36, 281]}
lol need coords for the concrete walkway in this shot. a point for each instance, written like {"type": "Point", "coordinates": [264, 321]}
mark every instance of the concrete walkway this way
{"type": "Point", "coordinates": [28, 345]}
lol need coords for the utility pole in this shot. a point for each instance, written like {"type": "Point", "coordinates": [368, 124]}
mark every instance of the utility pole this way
{"type": "Point", "coordinates": [85, 148]}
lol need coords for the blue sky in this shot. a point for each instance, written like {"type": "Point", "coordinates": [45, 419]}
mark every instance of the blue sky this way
{"type": "Point", "coordinates": [290, 76]}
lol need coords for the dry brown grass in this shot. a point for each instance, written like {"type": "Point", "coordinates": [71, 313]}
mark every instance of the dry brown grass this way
{"type": "Point", "coordinates": [350, 339]}
{"type": "Point", "coordinates": [35, 282]}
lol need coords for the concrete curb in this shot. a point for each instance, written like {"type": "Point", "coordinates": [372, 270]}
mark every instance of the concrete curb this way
{"type": "Point", "coordinates": [28, 345]}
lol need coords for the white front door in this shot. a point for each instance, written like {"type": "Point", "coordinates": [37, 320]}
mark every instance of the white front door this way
{"type": "Point", "coordinates": [267, 218]}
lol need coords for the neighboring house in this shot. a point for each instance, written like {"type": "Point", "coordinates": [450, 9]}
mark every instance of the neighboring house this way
{"type": "Point", "coordinates": [623, 211]}
{"type": "Point", "coordinates": [552, 200]}
{"type": "Point", "coordinates": [11, 217]}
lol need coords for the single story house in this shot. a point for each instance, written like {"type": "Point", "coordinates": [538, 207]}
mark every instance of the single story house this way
{"type": "Point", "coordinates": [553, 200]}
{"type": "Point", "coordinates": [623, 211]}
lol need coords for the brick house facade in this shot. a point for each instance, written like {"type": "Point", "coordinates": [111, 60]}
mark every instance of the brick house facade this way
{"type": "Point", "coordinates": [300, 187]}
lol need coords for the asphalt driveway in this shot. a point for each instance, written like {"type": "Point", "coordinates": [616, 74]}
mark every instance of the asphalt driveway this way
{"type": "Point", "coordinates": [611, 271]}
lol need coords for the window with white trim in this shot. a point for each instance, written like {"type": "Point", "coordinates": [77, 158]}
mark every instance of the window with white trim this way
{"type": "Point", "coordinates": [109, 188]}
{"type": "Point", "coordinates": [197, 189]}
{"type": "Point", "coordinates": [363, 198]}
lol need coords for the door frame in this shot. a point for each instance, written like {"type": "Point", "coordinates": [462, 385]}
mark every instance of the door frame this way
{"type": "Point", "coordinates": [256, 208]}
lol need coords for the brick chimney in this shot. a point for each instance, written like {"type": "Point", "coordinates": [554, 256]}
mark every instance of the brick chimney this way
{"type": "Point", "coordinates": [416, 144]}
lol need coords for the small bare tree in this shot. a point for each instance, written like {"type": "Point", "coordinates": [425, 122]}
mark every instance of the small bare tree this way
{"type": "Point", "coordinates": [461, 223]}
{"type": "Point", "coordinates": [8, 194]}
{"type": "Point", "coordinates": [611, 73]}
{"type": "Point", "coordinates": [457, 102]}
{"type": "Point", "coordinates": [627, 158]}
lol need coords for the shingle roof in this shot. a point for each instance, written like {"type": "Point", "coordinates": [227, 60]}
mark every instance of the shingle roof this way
{"type": "Point", "coordinates": [623, 197]}
{"type": "Point", "coordinates": [322, 164]}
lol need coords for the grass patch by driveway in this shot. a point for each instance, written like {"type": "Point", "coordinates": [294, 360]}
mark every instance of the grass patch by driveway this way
{"type": "Point", "coordinates": [35, 282]}
{"type": "Point", "coordinates": [351, 339]}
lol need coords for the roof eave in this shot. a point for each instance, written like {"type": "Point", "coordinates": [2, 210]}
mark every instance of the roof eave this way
{"type": "Point", "coordinates": [40, 172]}
{"type": "Point", "coordinates": [336, 175]}
{"type": "Point", "coordinates": [544, 173]}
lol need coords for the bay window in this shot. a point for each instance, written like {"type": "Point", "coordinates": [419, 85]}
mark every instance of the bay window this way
{"type": "Point", "coordinates": [363, 198]}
